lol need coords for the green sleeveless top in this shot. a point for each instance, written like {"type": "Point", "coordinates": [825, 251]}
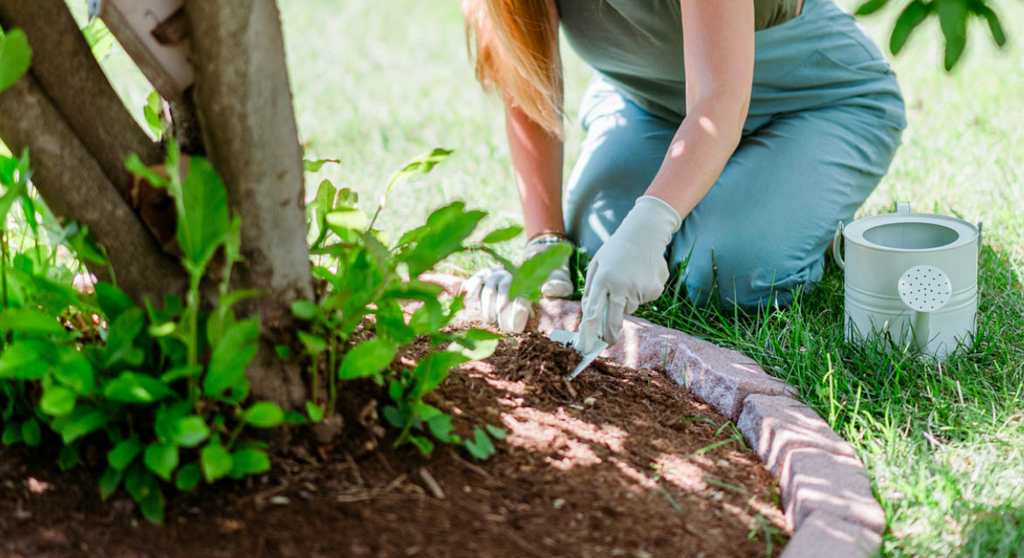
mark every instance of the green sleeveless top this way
{"type": "Point", "coordinates": [638, 45]}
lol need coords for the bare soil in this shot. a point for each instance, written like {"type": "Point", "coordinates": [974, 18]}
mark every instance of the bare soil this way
{"type": "Point", "coordinates": [618, 463]}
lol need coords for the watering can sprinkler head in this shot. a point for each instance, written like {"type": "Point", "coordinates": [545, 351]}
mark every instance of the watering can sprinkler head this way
{"type": "Point", "coordinates": [924, 289]}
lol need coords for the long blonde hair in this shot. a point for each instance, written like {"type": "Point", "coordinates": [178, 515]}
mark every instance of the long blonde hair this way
{"type": "Point", "coordinates": [517, 53]}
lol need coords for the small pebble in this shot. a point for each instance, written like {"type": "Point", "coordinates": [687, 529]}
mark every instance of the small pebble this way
{"type": "Point", "coordinates": [558, 503]}
{"type": "Point", "coordinates": [280, 500]}
{"type": "Point", "coordinates": [722, 463]}
{"type": "Point", "coordinates": [590, 401]}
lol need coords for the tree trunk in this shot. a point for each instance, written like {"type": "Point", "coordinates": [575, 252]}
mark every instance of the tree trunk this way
{"type": "Point", "coordinates": [248, 124]}
{"type": "Point", "coordinates": [65, 67]}
{"type": "Point", "coordinates": [75, 186]}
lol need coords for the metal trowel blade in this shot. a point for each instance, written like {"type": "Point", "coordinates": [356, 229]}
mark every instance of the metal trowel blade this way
{"type": "Point", "coordinates": [568, 339]}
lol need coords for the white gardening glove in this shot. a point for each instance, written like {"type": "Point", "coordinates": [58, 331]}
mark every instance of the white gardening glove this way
{"type": "Point", "coordinates": [628, 270]}
{"type": "Point", "coordinates": [491, 285]}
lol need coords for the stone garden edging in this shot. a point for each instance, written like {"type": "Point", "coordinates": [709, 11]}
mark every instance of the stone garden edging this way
{"type": "Point", "coordinates": [826, 494]}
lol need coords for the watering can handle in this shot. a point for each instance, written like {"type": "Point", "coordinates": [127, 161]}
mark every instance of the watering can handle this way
{"type": "Point", "coordinates": [837, 253]}
{"type": "Point", "coordinates": [903, 207]}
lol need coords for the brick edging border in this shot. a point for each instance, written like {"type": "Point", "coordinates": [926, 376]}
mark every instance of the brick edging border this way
{"type": "Point", "coordinates": [826, 494]}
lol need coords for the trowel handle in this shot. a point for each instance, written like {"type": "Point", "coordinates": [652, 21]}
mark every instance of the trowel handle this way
{"type": "Point", "coordinates": [837, 252]}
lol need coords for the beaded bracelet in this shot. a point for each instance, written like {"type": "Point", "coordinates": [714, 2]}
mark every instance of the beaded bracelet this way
{"type": "Point", "coordinates": [547, 240]}
{"type": "Point", "coordinates": [550, 234]}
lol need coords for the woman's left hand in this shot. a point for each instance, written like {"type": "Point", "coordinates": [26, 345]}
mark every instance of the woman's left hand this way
{"type": "Point", "coordinates": [628, 270]}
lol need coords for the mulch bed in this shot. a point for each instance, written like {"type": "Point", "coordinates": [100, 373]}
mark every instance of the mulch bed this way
{"type": "Point", "coordinates": [618, 463]}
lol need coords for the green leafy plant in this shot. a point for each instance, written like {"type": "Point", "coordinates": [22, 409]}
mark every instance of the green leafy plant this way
{"type": "Point", "coordinates": [953, 17]}
{"type": "Point", "coordinates": [161, 389]}
{"type": "Point", "coordinates": [367, 278]}
{"type": "Point", "coordinates": [137, 385]}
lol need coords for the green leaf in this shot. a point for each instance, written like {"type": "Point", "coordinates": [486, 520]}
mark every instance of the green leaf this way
{"type": "Point", "coordinates": [477, 344]}
{"type": "Point", "coordinates": [445, 231]}
{"type": "Point", "coordinates": [24, 360]}
{"type": "Point", "coordinates": [441, 427]}
{"type": "Point", "coordinates": [295, 418]}
{"type": "Point", "coordinates": [527, 280]}
{"type": "Point", "coordinates": [871, 6]}
{"type": "Point", "coordinates": [124, 453]}
{"type": "Point", "coordinates": [180, 372]}
{"type": "Point", "coordinates": [152, 506]}
{"type": "Point", "coordinates": [367, 359]}
{"type": "Point", "coordinates": [188, 477]}
{"type": "Point", "coordinates": [232, 356]}
{"type": "Point", "coordinates": [75, 371]}
{"type": "Point", "coordinates": [501, 235]}
{"type": "Point", "coordinates": [216, 461]}
{"type": "Point", "coordinates": [480, 446]}
{"type": "Point", "coordinates": [85, 246]}
{"type": "Point", "coordinates": [68, 457]}
{"type": "Point", "coordinates": [953, 21]}
{"type": "Point", "coordinates": [139, 482]}
{"type": "Point", "coordinates": [265, 414]}
{"type": "Point", "coordinates": [433, 369]}
{"type": "Point", "coordinates": [314, 345]}
{"type": "Point", "coordinates": [15, 57]}
{"type": "Point", "coordinates": [152, 111]}
{"type": "Point", "coordinates": [346, 218]}
{"type": "Point", "coordinates": [305, 310]}
{"type": "Point", "coordinates": [316, 414]}
{"type": "Point", "coordinates": [498, 433]}
{"type": "Point", "coordinates": [422, 163]}
{"type": "Point", "coordinates": [121, 336]}
{"type": "Point", "coordinates": [84, 420]}
{"type": "Point", "coordinates": [422, 443]}
{"type": "Point", "coordinates": [12, 433]}
{"type": "Point", "coordinates": [203, 217]}
{"type": "Point", "coordinates": [908, 20]}
{"type": "Point", "coordinates": [29, 321]}
{"type": "Point", "coordinates": [109, 482]}
{"type": "Point", "coordinates": [994, 25]}
{"type": "Point", "coordinates": [57, 401]}
{"type": "Point", "coordinates": [314, 166]}
{"type": "Point", "coordinates": [131, 387]}
{"type": "Point", "coordinates": [162, 459]}
{"type": "Point", "coordinates": [31, 434]}
{"type": "Point", "coordinates": [249, 462]}
{"type": "Point", "coordinates": [112, 301]}
{"type": "Point", "coordinates": [189, 431]}
{"type": "Point", "coordinates": [138, 168]}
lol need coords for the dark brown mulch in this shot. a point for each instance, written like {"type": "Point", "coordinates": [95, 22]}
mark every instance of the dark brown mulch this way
{"type": "Point", "coordinates": [619, 463]}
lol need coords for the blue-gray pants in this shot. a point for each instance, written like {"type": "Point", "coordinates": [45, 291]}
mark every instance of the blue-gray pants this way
{"type": "Point", "coordinates": [825, 119]}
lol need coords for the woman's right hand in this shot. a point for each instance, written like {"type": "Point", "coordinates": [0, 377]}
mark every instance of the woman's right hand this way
{"type": "Point", "coordinates": [491, 287]}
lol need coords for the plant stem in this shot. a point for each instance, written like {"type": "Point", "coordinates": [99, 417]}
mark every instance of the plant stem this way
{"type": "Point", "coordinates": [193, 317]}
{"type": "Point", "coordinates": [316, 377]}
{"type": "Point", "coordinates": [332, 376]}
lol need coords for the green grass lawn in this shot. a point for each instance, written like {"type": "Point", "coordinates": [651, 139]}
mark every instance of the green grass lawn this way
{"type": "Point", "coordinates": [378, 83]}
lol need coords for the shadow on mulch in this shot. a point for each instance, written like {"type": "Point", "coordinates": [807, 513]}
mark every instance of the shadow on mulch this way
{"type": "Point", "coordinates": [618, 463]}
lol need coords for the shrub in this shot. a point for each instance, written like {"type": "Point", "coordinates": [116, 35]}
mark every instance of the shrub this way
{"type": "Point", "coordinates": [163, 388]}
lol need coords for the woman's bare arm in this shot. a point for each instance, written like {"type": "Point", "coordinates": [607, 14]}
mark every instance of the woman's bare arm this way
{"type": "Point", "coordinates": [718, 43]}
{"type": "Point", "coordinates": [537, 159]}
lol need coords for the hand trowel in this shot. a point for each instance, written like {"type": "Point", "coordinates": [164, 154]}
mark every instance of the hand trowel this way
{"type": "Point", "coordinates": [570, 339]}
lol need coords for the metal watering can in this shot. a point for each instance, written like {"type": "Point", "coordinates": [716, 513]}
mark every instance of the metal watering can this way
{"type": "Point", "coordinates": [911, 276]}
